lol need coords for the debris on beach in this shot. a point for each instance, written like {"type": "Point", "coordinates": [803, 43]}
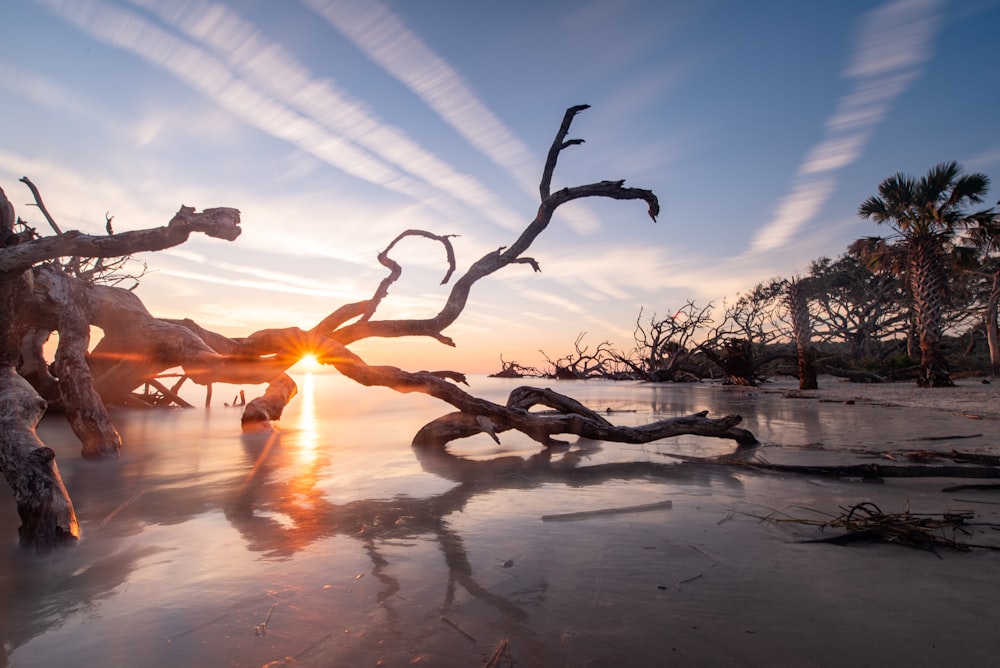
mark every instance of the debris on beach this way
{"type": "Point", "coordinates": [866, 522]}
{"type": "Point", "coordinates": [501, 657]}
{"type": "Point", "coordinates": [603, 512]}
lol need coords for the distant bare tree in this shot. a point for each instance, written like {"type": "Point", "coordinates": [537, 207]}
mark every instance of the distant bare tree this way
{"type": "Point", "coordinates": [514, 370]}
{"type": "Point", "coordinates": [743, 341]}
{"type": "Point", "coordinates": [583, 362]}
{"type": "Point", "coordinates": [663, 346]}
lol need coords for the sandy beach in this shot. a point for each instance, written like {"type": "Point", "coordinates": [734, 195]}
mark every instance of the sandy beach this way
{"type": "Point", "coordinates": [971, 397]}
{"type": "Point", "coordinates": [333, 543]}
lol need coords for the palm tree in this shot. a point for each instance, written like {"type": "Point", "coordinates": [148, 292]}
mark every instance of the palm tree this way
{"type": "Point", "coordinates": [797, 304]}
{"type": "Point", "coordinates": [925, 215]}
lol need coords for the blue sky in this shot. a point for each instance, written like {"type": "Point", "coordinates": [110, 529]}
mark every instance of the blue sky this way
{"type": "Point", "coordinates": [334, 125]}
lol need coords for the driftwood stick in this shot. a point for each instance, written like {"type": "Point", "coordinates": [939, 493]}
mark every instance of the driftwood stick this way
{"type": "Point", "coordinates": [604, 512]}
{"type": "Point", "coordinates": [169, 394]}
{"type": "Point", "coordinates": [500, 652]}
{"type": "Point", "coordinates": [120, 507]}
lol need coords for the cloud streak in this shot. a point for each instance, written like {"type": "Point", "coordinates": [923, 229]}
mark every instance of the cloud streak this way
{"type": "Point", "coordinates": [385, 38]}
{"type": "Point", "coordinates": [893, 41]}
{"type": "Point", "coordinates": [387, 41]}
{"type": "Point", "coordinates": [257, 81]}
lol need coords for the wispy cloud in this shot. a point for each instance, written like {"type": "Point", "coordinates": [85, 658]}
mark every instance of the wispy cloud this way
{"type": "Point", "coordinates": [386, 39]}
{"type": "Point", "coordinates": [273, 68]}
{"type": "Point", "coordinates": [259, 277]}
{"type": "Point", "coordinates": [260, 83]}
{"type": "Point", "coordinates": [46, 93]}
{"type": "Point", "coordinates": [892, 43]}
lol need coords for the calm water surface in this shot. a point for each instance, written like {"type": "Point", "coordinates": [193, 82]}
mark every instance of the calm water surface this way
{"type": "Point", "coordinates": [331, 542]}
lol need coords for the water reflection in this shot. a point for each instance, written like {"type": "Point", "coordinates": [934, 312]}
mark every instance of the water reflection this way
{"type": "Point", "coordinates": [200, 530]}
{"type": "Point", "coordinates": [307, 425]}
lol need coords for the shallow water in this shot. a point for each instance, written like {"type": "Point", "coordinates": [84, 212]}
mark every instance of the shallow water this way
{"type": "Point", "coordinates": [331, 542]}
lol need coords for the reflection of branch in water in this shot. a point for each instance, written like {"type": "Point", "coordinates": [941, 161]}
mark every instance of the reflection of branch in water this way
{"type": "Point", "coordinates": [280, 515]}
{"type": "Point", "coordinates": [460, 572]}
{"type": "Point", "coordinates": [378, 570]}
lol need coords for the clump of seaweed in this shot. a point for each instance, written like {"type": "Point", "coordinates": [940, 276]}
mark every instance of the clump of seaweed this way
{"type": "Point", "coordinates": [866, 522]}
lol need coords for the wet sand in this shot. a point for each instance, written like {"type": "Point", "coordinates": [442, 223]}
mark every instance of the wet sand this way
{"type": "Point", "coordinates": [971, 397]}
{"type": "Point", "coordinates": [359, 551]}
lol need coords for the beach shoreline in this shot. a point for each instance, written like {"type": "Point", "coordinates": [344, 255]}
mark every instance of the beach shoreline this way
{"type": "Point", "coordinates": [973, 398]}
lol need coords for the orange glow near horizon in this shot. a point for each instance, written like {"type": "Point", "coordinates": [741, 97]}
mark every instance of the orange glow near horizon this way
{"type": "Point", "coordinates": [308, 438]}
{"type": "Point", "coordinates": [308, 363]}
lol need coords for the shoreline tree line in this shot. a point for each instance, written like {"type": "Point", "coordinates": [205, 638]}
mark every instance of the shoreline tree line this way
{"type": "Point", "coordinates": [921, 304]}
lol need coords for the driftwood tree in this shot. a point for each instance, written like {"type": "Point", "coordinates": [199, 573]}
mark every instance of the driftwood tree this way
{"type": "Point", "coordinates": [583, 362]}
{"type": "Point", "coordinates": [137, 346]}
{"type": "Point", "coordinates": [664, 346]}
{"type": "Point", "coordinates": [743, 341]}
{"type": "Point", "coordinates": [30, 278]}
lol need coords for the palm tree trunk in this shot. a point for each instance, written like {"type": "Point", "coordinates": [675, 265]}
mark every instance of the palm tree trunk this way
{"type": "Point", "coordinates": [928, 287]}
{"type": "Point", "coordinates": [798, 308]}
{"type": "Point", "coordinates": [990, 323]}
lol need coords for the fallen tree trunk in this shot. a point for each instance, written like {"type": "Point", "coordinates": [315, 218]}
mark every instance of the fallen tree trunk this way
{"type": "Point", "coordinates": [866, 471]}
{"type": "Point", "coordinates": [47, 516]}
{"type": "Point", "coordinates": [542, 426]}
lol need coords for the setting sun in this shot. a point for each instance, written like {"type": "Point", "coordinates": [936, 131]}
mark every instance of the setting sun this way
{"type": "Point", "coordinates": [308, 363]}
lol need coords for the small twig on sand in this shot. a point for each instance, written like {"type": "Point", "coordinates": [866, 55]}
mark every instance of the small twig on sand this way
{"type": "Point", "coordinates": [121, 506]}
{"type": "Point", "coordinates": [586, 514]}
{"type": "Point", "coordinates": [501, 653]}
{"type": "Point", "coordinates": [458, 628]}
{"type": "Point", "coordinates": [262, 629]}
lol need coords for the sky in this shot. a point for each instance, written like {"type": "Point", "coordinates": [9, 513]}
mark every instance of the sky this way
{"type": "Point", "coordinates": [334, 125]}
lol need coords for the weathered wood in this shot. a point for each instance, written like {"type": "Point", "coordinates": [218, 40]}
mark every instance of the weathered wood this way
{"type": "Point", "coordinates": [851, 375]}
{"type": "Point", "coordinates": [543, 426]}
{"type": "Point", "coordinates": [169, 394]}
{"type": "Point", "coordinates": [85, 411]}
{"type": "Point", "coordinates": [28, 466]}
{"type": "Point", "coordinates": [33, 366]}
{"type": "Point", "coordinates": [865, 471]}
{"type": "Point", "coordinates": [262, 410]}
{"type": "Point", "coordinates": [47, 515]}
{"type": "Point", "coordinates": [221, 223]}
{"type": "Point", "coordinates": [41, 205]}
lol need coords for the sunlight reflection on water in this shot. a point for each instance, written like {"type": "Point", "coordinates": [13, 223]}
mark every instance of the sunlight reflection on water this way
{"type": "Point", "coordinates": [353, 547]}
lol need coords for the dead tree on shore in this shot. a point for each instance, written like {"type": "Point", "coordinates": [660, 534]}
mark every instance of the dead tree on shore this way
{"type": "Point", "coordinates": [513, 369]}
{"type": "Point", "coordinates": [583, 362]}
{"type": "Point", "coordinates": [742, 344]}
{"type": "Point", "coordinates": [29, 276]}
{"type": "Point", "coordinates": [38, 295]}
{"type": "Point", "coordinates": [664, 346]}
